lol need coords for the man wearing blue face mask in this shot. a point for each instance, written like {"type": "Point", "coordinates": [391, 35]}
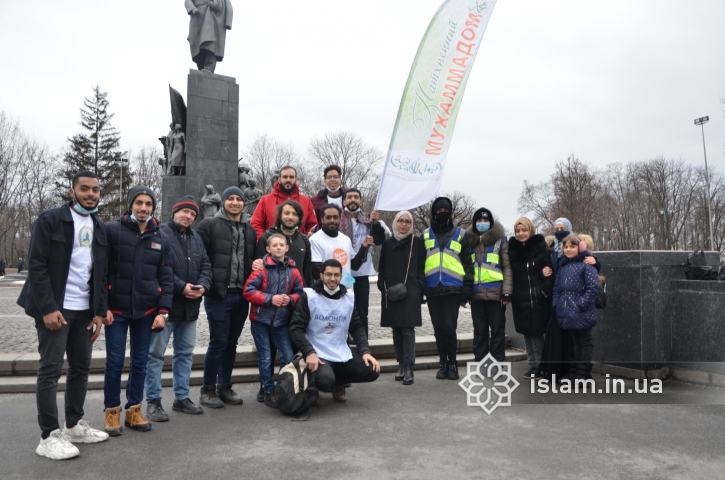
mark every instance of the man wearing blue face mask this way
{"type": "Point", "coordinates": [492, 285]}
{"type": "Point", "coordinates": [66, 293]}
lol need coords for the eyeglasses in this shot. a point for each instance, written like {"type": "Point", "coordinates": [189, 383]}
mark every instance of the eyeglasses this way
{"type": "Point", "coordinates": [405, 222]}
{"type": "Point", "coordinates": [332, 275]}
{"type": "Point", "coordinates": [332, 177]}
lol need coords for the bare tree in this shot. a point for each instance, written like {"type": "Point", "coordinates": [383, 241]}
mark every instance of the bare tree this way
{"type": "Point", "coordinates": [146, 169]}
{"type": "Point", "coordinates": [265, 156]}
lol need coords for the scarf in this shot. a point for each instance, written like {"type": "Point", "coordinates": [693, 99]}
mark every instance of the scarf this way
{"type": "Point", "coordinates": [396, 233]}
{"type": "Point", "coordinates": [346, 222]}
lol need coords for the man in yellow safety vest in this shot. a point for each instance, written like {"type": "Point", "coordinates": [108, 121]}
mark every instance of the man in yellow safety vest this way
{"type": "Point", "coordinates": [448, 281]}
{"type": "Point", "coordinates": [492, 285]}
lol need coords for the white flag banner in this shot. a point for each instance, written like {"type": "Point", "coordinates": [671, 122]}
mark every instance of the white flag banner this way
{"type": "Point", "coordinates": [423, 131]}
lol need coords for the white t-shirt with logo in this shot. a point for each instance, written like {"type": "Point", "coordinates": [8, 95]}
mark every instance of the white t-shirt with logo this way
{"type": "Point", "coordinates": [324, 247]}
{"type": "Point", "coordinates": [78, 289]}
{"type": "Point", "coordinates": [329, 324]}
{"type": "Point", "coordinates": [360, 231]}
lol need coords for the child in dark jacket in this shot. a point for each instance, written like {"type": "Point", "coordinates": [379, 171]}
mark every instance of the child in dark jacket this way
{"type": "Point", "coordinates": [575, 292]}
{"type": "Point", "coordinates": [273, 293]}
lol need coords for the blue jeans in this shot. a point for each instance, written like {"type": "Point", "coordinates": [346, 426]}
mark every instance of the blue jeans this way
{"type": "Point", "coordinates": [140, 330]}
{"type": "Point", "coordinates": [226, 320]}
{"type": "Point", "coordinates": [184, 340]}
{"type": "Point", "coordinates": [362, 299]}
{"type": "Point", "coordinates": [262, 334]}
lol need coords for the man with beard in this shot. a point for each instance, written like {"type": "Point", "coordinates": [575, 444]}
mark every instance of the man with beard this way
{"type": "Point", "coordinates": [67, 293]}
{"type": "Point", "coordinates": [327, 243]}
{"type": "Point", "coordinates": [332, 193]}
{"type": "Point", "coordinates": [358, 226]}
{"type": "Point", "coordinates": [285, 188]}
{"type": "Point", "coordinates": [448, 281]}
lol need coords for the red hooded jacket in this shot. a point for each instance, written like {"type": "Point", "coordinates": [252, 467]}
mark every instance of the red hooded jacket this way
{"type": "Point", "coordinates": [263, 217]}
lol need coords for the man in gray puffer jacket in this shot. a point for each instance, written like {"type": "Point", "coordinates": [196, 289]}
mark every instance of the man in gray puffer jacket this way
{"type": "Point", "coordinates": [492, 284]}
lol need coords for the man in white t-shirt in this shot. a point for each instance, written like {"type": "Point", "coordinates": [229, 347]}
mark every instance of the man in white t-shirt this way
{"type": "Point", "coordinates": [327, 243]}
{"type": "Point", "coordinates": [357, 225]}
{"type": "Point", "coordinates": [67, 295]}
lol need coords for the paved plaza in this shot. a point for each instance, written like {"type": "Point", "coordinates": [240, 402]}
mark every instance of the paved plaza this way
{"type": "Point", "coordinates": [387, 430]}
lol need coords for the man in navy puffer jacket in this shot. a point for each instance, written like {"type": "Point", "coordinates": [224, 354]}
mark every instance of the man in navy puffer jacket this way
{"type": "Point", "coordinates": [140, 291]}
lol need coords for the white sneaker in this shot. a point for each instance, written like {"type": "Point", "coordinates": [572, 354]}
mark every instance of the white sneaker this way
{"type": "Point", "coordinates": [83, 433]}
{"type": "Point", "coordinates": [57, 446]}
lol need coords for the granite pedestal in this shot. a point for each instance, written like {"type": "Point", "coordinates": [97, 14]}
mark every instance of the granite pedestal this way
{"type": "Point", "coordinates": [212, 139]}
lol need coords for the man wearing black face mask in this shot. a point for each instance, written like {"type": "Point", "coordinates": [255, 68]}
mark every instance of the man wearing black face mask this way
{"type": "Point", "coordinates": [448, 281]}
{"type": "Point", "coordinates": [67, 295]}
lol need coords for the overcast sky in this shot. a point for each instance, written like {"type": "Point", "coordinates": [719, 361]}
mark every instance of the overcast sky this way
{"type": "Point", "coordinates": [610, 81]}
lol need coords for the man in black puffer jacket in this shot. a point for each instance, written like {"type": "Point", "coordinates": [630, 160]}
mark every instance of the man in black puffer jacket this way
{"type": "Point", "coordinates": [140, 291]}
{"type": "Point", "coordinates": [230, 245]}
{"type": "Point", "coordinates": [192, 278]}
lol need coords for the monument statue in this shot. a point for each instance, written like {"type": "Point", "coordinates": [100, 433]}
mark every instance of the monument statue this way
{"type": "Point", "coordinates": [275, 177]}
{"type": "Point", "coordinates": [210, 202]}
{"type": "Point", "coordinates": [208, 24]}
{"type": "Point", "coordinates": [165, 142]}
{"type": "Point", "coordinates": [252, 195]}
{"type": "Point", "coordinates": [244, 177]}
{"type": "Point", "coordinates": [176, 142]}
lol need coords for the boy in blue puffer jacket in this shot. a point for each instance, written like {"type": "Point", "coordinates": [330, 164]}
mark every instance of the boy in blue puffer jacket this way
{"type": "Point", "coordinates": [273, 293]}
{"type": "Point", "coordinates": [575, 292]}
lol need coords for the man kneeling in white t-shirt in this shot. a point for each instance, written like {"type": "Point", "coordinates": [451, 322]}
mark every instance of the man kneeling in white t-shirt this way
{"type": "Point", "coordinates": [319, 327]}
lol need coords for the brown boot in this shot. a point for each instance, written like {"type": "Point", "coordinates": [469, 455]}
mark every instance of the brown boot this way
{"type": "Point", "coordinates": [338, 392]}
{"type": "Point", "coordinates": [135, 420]}
{"type": "Point", "coordinates": [112, 425]}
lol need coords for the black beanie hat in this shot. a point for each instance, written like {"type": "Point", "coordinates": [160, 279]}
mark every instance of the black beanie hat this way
{"type": "Point", "coordinates": [483, 213]}
{"type": "Point", "coordinates": [140, 190]}
{"type": "Point", "coordinates": [187, 201]}
{"type": "Point", "coordinates": [442, 202]}
{"type": "Point", "coordinates": [232, 191]}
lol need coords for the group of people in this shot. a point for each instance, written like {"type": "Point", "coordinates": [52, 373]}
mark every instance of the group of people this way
{"type": "Point", "coordinates": [299, 269]}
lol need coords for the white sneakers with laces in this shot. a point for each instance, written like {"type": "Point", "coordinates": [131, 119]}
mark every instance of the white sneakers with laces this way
{"type": "Point", "coordinates": [57, 446]}
{"type": "Point", "coordinates": [83, 433]}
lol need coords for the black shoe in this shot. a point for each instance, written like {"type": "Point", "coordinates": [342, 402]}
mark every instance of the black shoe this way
{"type": "Point", "coordinates": [227, 395]}
{"type": "Point", "coordinates": [209, 397]}
{"type": "Point", "coordinates": [399, 375]}
{"type": "Point", "coordinates": [155, 412]}
{"type": "Point", "coordinates": [270, 401]}
{"type": "Point", "coordinates": [530, 373]}
{"type": "Point", "coordinates": [187, 406]}
{"type": "Point", "coordinates": [537, 374]}
{"type": "Point", "coordinates": [348, 385]}
{"type": "Point", "coordinates": [260, 395]}
{"type": "Point", "coordinates": [442, 371]}
{"type": "Point", "coordinates": [452, 371]}
{"type": "Point", "coordinates": [408, 375]}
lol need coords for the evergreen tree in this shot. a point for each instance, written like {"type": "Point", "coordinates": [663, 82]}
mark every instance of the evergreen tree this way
{"type": "Point", "coordinates": [97, 149]}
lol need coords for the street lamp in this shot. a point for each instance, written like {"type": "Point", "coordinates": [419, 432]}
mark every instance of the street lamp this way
{"type": "Point", "coordinates": [667, 213]}
{"type": "Point", "coordinates": [701, 122]}
{"type": "Point", "coordinates": [608, 233]}
{"type": "Point", "coordinates": [120, 190]}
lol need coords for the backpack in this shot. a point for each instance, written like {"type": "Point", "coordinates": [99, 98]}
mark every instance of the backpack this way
{"type": "Point", "coordinates": [601, 301]}
{"type": "Point", "coordinates": [296, 391]}
{"type": "Point", "coordinates": [696, 267]}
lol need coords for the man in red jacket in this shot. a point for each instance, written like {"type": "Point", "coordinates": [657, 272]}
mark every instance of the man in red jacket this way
{"type": "Point", "coordinates": [284, 189]}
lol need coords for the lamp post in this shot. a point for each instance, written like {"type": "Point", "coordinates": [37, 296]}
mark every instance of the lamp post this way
{"type": "Point", "coordinates": [667, 213]}
{"type": "Point", "coordinates": [701, 122]}
{"type": "Point", "coordinates": [608, 232]}
{"type": "Point", "coordinates": [120, 190]}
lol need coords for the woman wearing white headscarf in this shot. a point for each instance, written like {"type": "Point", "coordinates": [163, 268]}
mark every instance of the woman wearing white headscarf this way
{"type": "Point", "coordinates": [402, 261]}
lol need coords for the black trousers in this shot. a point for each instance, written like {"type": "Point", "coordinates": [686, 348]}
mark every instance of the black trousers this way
{"type": "Point", "coordinates": [361, 287]}
{"type": "Point", "coordinates": [73, 340]}
{"type": "Point", "coordinates": [404, 343]}
{"type": "Point", "coordinates": [489, 314]}
{"type": "Point", "coordinates": [352, 371]}
{"type": "Point", "coordinates": [583, 346]}
{"type": "Point", "coordinates": [444, 317]}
